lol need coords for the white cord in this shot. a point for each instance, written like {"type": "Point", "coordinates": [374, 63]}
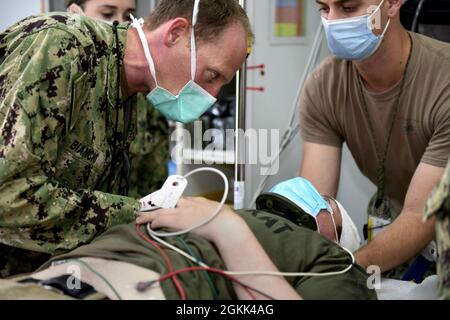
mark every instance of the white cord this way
{"type": "Point", "coordinates": [213, 216]}
{"type": "Point", "coordinates": [183, 253]}
{"type": "Point", "coordinates": [258, 273]}
{"type": "Point", "coordinates": [297, 274]}
{"type": "Point", "coordinates": [158, 235]}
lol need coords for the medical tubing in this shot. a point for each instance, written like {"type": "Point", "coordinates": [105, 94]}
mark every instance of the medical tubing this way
{"type": "Point", "coordinates": [260, 273]}
{"type": "Point", "coordinates": [168, 262]}
{"type": "Point", "coordinates": [213, 216]}
{"type": "Point", "coordinates": [415, 24]}
{"type": "Point", "coordinates": [220, 272]}
{"type": "Point", "coordinates": [208, 279]}
{"type": "Point", "coordinates": [158, 235]}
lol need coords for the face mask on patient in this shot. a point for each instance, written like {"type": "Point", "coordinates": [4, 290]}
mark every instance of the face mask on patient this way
{"type": "Point", "coordinates": [299, 201]}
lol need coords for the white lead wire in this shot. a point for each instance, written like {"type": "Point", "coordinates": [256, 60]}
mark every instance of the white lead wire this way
{"type": "Point", "coordinates": [158, 235]}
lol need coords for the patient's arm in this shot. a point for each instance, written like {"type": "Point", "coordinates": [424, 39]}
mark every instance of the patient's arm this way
{"type": "Point", "coordinates": [237, 245]}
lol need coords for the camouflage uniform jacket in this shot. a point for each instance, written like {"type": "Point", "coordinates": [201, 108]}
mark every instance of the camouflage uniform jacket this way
{"type": "Point", "coordinates": [149, 151]}
{"type": "Point", "coordinates": [438, 205]}
{"type": "Point", "coordinates": [62, 130]}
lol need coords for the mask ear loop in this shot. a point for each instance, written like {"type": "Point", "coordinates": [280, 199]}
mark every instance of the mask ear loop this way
{"type": "Point", "coordinates": [317, 224]}
{"type": "Point", "coordinates": [328, 199]}
{"type": "Point", "coordinates": [137, 24]}
{"type": "Point", "coordinates": [369, 21]}
{"type": "Point", "coordinates": [335, 228]}
{"type": "Point", "coordinates": [193, 46]}
{"type": "Point", "coordinates": [74, 8]}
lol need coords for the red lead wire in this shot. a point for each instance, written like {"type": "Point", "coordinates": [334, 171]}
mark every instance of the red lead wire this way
{"type": "Point", "coordinates": [167, 259]}
{"type": "Point", "coordinates": [172, 273]}
{"type": "Point", "coordinates": [259, 66]}
{"type": "Point", "coordinates": [213, 270]}
{"type": "Point", "coordinates": [260, 89]}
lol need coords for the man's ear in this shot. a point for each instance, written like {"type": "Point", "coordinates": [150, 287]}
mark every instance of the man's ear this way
{"type": "Point", "coordinates": [74, 8]}
{"type": "Point", "coordinates": [394, 7]}
{"type": "Point", "coordinates": [176, 30]}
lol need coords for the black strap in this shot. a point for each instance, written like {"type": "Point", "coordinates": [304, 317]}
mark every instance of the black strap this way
{"type": "Point", "coordinates": [119, 140]}
{"type": "Point", "coordinates": [381, 172]}
{"type": "Point", "coordinates": [61, 284]}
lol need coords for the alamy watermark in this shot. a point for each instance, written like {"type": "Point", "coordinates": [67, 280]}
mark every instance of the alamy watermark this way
{"type": "Point", "coordinates": [214, 146]}
{"type": "Point", "coordinates": [374, 279]}
{"type": "Point", "coordinates": [375, 21]}
{"type": "Point", "coordinates": [74, 281]}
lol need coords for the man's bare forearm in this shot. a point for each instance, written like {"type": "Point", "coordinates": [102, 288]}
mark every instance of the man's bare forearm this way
{"type": "Point", "coordinates": [401, 241]}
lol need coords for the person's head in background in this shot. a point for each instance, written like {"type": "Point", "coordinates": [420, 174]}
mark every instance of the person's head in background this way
{"type": "Point", "coordinates": [107, 10]}
{"type": "Point", "coordinates": [363, 30]}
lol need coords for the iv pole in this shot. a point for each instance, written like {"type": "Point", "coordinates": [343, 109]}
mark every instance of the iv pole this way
{"type": "Point", "coordinates": [239, 184]}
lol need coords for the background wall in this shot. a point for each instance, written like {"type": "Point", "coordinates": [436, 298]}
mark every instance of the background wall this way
{"type": "Point", "coordinates": [143, 6]}
{"type": "Point", "coordinates": [11, 12]}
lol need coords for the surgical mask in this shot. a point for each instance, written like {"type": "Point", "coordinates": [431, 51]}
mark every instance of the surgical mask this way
{"type": "Point", "coordinates": [352, 38]}
{"type": "Point", "coordinates": [192, 101]}
{"type": "Point", "coordinates": [350, 238]}
{"type": "Point", "coordinates": [303, 194]}
{"type": "Point", "coordinates": [74, 8]}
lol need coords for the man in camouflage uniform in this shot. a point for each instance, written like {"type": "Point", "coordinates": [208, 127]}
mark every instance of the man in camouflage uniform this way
{"type": "Point", "coordinates": [438, 206]}
{"type": "Point", "coordinates": [149, 151]}
{"type": "Point", "coordinates": [67, 119]}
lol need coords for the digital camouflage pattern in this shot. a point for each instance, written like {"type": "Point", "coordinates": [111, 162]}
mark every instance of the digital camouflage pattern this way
{"type": "Point", "coordinates": [149, 151]}
{"type": "Point", "coordinates": [438, 205]}
{"type": "Point", "coordinates": [62, 130]}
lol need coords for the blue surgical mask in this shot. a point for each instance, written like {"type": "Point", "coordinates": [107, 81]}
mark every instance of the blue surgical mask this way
{"type": "Point", "coordinates": [303, 194]}
{"type": "Point", "coordinates": [192, 101]}
{"type": "Point", "coordinates": [352, 38]}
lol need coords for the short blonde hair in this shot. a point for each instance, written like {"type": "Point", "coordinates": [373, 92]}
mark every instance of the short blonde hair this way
{"type": "Point", "coordinates": [214, 16]}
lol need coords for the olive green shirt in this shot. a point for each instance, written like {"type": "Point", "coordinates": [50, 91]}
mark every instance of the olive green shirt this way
{"type": "Point", "coordinates": [291, 248]}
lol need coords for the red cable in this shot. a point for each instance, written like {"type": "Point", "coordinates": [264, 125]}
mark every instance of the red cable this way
{"type": "Point", "coordinates": [260, 89]}
{"type": "Point", "coordinates": [221, 272]}
{"type": "Point", "coordinates": [168, 262]}
{"type": "Point", "coordinates": [259, 66]}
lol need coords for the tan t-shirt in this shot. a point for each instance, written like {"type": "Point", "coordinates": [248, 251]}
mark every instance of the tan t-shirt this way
{"type": "Point", "coordinates": [332, 112]}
